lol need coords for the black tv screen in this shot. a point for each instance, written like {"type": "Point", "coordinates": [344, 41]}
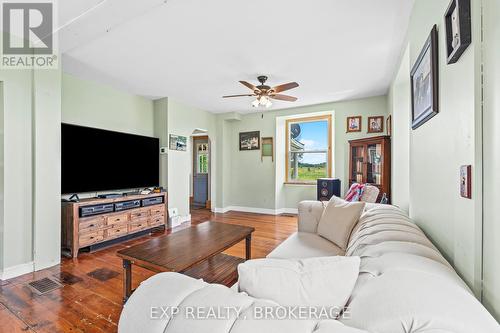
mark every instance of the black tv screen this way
{"type": "Point", "coordinates": [95, 160]}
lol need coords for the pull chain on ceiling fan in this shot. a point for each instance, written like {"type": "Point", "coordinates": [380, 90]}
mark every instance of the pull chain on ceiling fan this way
{"type": "Point", "coordinates": [265, 93]}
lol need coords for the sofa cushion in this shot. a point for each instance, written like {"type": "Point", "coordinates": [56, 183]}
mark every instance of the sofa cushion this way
{"type": "Point", "coordinates": [338, 221]}
{"type": "Point", "coordinates": [325, 281]}
{"type": "Point", "coordinates": [209, 310]}
{"type": "Point", "coordinates": [258, 318]}
{"type": "Point", "coordinates": [335, 326]}
{"type": "Point", "coordinates": [305, 245]}
{"type": "Point", "coordinates": [410, 300]}
{"type": "Point", "coordinates": [159, 291]}
{"type": "Point", "coordinates": [309, 215]}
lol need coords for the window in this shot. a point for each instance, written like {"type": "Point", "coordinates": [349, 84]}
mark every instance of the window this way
{"type": "Point", "coordinates": [202, 158]}
{"type": "Point", "coordinates": [308, 149]}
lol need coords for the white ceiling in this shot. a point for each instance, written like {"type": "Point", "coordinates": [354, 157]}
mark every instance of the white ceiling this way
{"type": "Point", "coordinates": [195, 51]}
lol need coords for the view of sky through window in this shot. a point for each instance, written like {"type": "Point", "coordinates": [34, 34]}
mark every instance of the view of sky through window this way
{"type": "Point", "coordinates": [314, 136]}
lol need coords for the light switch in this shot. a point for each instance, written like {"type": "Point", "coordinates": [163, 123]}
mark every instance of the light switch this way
{"type": "Point", "coordinates": [466, 181]}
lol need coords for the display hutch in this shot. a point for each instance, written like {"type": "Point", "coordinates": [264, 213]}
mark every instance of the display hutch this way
{"type": "Point", "coordinates": [370, 163]}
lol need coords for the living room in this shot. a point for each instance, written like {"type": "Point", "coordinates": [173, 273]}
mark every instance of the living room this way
{"type": "Point", "coordinates": [190, 137]}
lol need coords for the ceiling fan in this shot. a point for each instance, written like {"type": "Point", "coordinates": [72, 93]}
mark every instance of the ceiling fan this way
{"type": "Point", "coordinates": [265, 93]}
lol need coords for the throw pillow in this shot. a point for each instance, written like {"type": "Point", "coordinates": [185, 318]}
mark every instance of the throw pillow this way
{"type": "Point", "coordinates": [355, 192]}
{"type": "Point", "coordinates": [338, 221]}
{"type": "Point", "coordinates": [324, 281]}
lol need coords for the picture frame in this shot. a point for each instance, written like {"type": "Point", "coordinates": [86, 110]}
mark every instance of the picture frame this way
{"type": "Point", "coordinates": [177, 142]}
{"type": "Point", "coordinates": [249, 140]}
{"type": "Point", "coordinates": [388, 125]}
{"type": "Point", "coordinates": [458, 29]}
{"type": "Point", "coordinates": [267, 148]}
{"type": "Point", "coordinates": [376, 124]}
{"type": "Point", "coordinates": [425, 82]}
{"type": "Point", "coordinates": [354, 124]}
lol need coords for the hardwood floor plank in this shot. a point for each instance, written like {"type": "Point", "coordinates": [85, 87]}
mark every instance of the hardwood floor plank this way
{"type": "Point", "coordinates": [9, 323]}
{"type": "Point", "coordinates": [90, 300]}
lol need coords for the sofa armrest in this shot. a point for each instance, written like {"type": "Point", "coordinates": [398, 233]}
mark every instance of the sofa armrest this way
{"type": "Point", "coordinates": [309, 215]}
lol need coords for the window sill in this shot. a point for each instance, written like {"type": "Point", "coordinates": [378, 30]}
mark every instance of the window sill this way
{"type": "Point", "coordinates": [299, 183]}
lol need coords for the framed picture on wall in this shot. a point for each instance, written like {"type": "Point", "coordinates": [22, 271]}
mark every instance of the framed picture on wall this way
{"type": "Point", "coordinates": [353, 124]}
{"type": "Point", "coordinates": [458, 29]}
{"type": "Point", "coordinates": [376, 124]}
{"type": "Point", "coordinates": [250, 140]}
{"type": "Point", "coordinates": [178, 142]}
{"type": "Point", "coordinates": [267, 148]}
{"type": "Point", "coordinates": [424, 82]}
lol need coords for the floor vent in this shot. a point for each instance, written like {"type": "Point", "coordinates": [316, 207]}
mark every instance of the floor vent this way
{"type": "Point", "coordinates": [44, 286]}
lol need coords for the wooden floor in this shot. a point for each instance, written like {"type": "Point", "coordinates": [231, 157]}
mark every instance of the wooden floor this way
{"type": "Point", "coordinates": [91, 297]}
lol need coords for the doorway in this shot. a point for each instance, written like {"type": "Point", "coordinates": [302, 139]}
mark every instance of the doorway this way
{"type": "Point", "coordinates": [201, 172]}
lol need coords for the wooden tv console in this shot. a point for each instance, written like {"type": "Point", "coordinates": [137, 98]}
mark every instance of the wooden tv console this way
{"type": "Point", "coordinates": [79, 232]}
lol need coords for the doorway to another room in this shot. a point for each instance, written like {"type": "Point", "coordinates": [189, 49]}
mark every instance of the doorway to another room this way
{"type": "Point", "coordinates": [200, 198]}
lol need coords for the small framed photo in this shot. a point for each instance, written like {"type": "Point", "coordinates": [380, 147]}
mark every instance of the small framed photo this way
{"type": "Point", "coordinates": [250, 140]}
{"type": "Point", "coordinates": [458, 29]}
{"type": "Point", "coordinates": [178, 142]}
{"type": "Point", "coordinates": [388, 125]}
{"type": "Point", "coordinates": [353, 124]}
{"type": "Point", "coordinates": [267, 148]}
{"type": "Point", "coordinates": [424, 82]}
{"type": "Point", "coordinates": [465, 181]}
{"type": "Point", "coordinates": [376, 124]}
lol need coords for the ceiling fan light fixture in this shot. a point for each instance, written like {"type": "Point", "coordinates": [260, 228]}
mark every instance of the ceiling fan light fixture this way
{"type": "Point", "coordinates": [264, 100]}
{"type": "Point", "coordinates": [264, 93]}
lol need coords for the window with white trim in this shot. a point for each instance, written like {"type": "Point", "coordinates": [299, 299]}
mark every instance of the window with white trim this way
{"type": "Point", "coordinates": [308, 149]}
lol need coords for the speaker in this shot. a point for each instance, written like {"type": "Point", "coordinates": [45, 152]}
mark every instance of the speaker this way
{"type": "Point", "coordinates": [328, 187]}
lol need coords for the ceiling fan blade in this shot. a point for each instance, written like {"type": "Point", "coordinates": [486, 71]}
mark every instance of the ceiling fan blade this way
{"type": "Point", "coordinates": [249, 85]}
{"type": "Point", "coordinates": [284, 97]}
{"type": "Point", "coordinates": [284, 87]}
{"type": "Point", "coordinates": [245, 95]}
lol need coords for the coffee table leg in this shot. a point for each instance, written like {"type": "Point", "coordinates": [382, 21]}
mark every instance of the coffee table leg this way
{"type": "Point", "coordinates": [248, 247]}
{"type": "Point", "coordinates": [127, 280]}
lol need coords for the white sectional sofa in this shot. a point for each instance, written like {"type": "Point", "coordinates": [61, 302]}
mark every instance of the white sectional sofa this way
{"type": "Point", "coordinates": [404, 286]}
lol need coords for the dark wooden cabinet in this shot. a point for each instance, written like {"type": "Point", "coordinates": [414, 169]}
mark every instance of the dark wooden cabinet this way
{"type": "Point", "coordinates": [370, 163]}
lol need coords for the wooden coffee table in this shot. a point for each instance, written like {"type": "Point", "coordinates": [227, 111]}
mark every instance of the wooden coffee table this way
{"type": "Point", "coordinates": [181, 250]}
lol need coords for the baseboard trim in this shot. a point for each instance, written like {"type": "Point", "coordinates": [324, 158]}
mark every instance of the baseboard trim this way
{"type": "Point", "coordinates": [266, 211]}
{"type": "Point", "coordinates": [219, 210]}
{"type": "Point", "coordinates": [294, 211]}
{"type": "Point", "coordinates": [185, 218]}
{"type": "Point", "coordinates": [38, 266]}
{"type": "Point", "coordinates": [18, 270]}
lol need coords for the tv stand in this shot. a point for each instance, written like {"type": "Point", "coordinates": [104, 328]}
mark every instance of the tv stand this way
{"type": "Point", "coordinates": [111, 220]}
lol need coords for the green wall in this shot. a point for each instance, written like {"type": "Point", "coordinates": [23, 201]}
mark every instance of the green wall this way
{"type": "Point", "coordinates": [399, 104]}
{"type": "Point", "coordinates": [17, 218]}
{"type": "Point", "coordinates": [255, 184]}
{"type": "Point", "coordinates": [491, 244]}
{"type": "Point", "coordinates": [30, 166]}
{"type": "Point", "coordinates": [439, 147]}
{"type": "Point", "coordinates": [183, 120]}
{"type": "Point", "coordinates": [93, 104]}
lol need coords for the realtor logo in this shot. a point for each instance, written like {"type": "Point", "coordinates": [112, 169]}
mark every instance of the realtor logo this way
{"type": "Point", "coordinates": [28, 39]}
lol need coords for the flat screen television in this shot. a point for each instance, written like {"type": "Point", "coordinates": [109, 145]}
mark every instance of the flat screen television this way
{"type": "Point", "coordinates": [96, 160]}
